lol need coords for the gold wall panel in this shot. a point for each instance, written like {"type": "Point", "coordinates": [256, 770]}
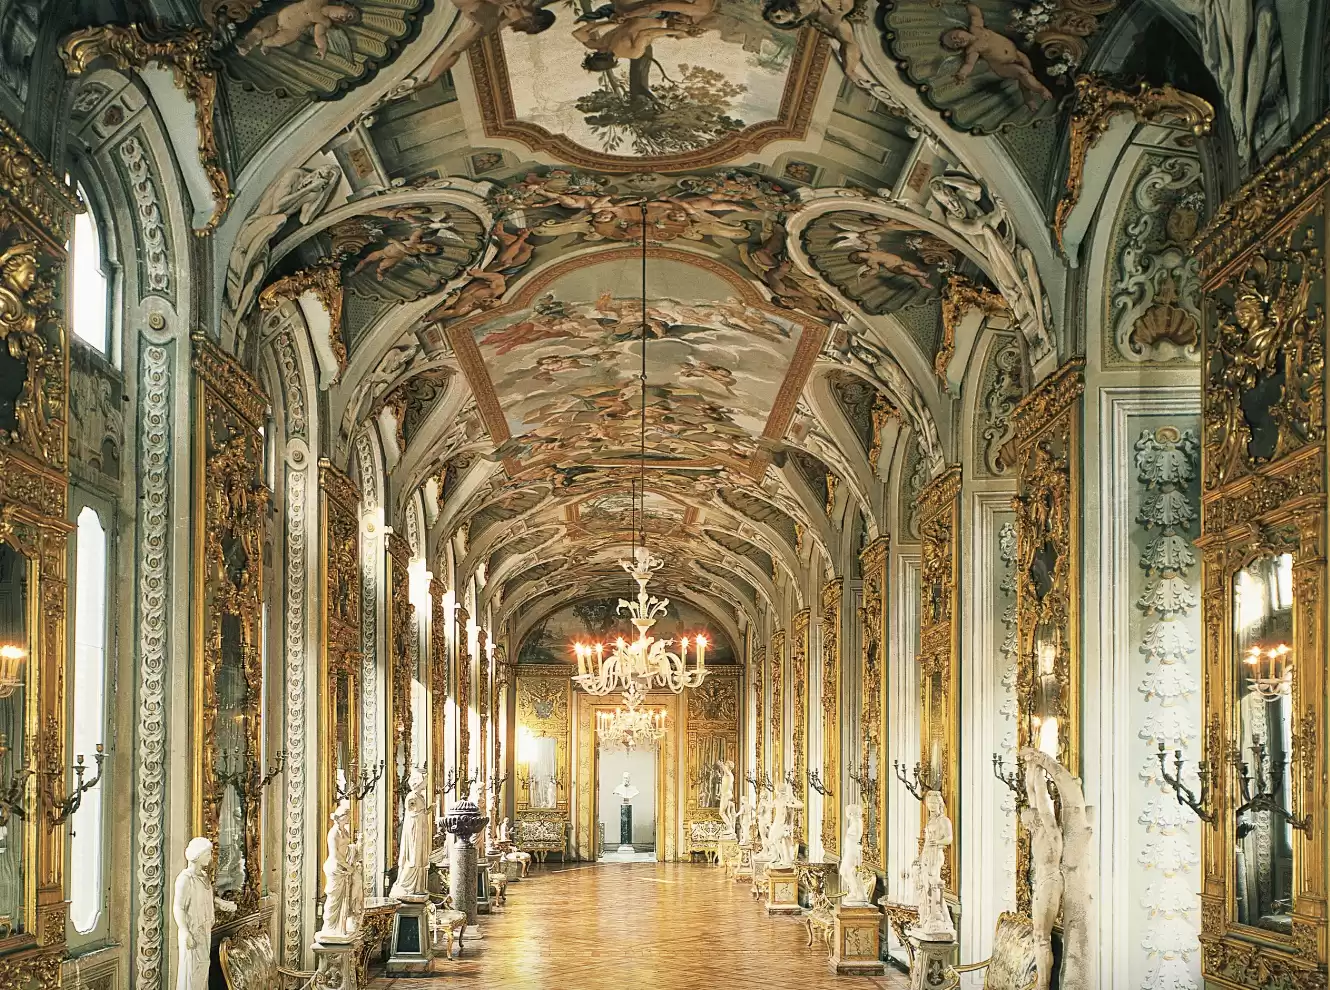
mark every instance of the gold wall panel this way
{"type": "Point", "coordinates": [401, 628]}
{"type": "Point", "coordinates": [873, 638]}
{"type": "Point", "coordinates": [438, 686]}
{"type": "Point", "coordinates": [710, 731]}
{"type": "Point", "coordinates": [799, 717]}
{"type": "Point", "coordinates": [1046, 448]}
{"type": "Point", "coordinates": [1264, 265]}
{"type": "Point", "coordinates": [483, 708]}
{"type": "Point", "coordinates": [35, 213]}
{"type": "Point", "coordinates": [460, 637]}
{"type": "Point", "coordinates": [339, 674]}
{"type": "Point", "coordinates": [759, 719]}
{"type": "Point", "coordinates": [939, 513]}
{"type": "Point", "coordinates": [832, 593]}
{"type": "Point", "coordinates": [544, 711]}
{"type": "Point", "coordinates": [778, 705]}
{"type": "Point", "coordinates": [231, 504]}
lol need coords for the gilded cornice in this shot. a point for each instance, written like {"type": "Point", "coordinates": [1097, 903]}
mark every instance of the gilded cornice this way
{"type": "Point", "coordinates": [545, 669]}
{"type": "Point", "coordinates": [831, 595]}
{"type": "Point", "coordinates": [188, 55]}
{"type": "Point", "coordinates": [325, 282]}
{"type": "Point", "coordinates": [338, 486]}
{"type": "Point", "coordinates": [1098, 101]}
{"type": "Point", "coordinates": [225, 376]}
{"type": "Point", "coordinates": [1051, 397]}
{"type": "Point", "coordinates": [399, 548]}
{"type": "Point", "coordinates": [959, 297]}
{"type": "Point", "coordinates": [32, 185]}
{"type": "Point", "coordinates": [875, 554]}
{"type": "Point", "coordinates": [938, 495]}
{"type": "Point", "coordinates": [1265, 202]}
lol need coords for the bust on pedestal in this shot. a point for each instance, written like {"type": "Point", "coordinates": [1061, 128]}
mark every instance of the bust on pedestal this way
{"type": "Point", "coordinates": [627, 792]}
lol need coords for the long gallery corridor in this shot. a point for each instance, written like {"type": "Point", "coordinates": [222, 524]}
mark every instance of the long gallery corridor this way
{"type": "Point", "coordinates": [631, 926]}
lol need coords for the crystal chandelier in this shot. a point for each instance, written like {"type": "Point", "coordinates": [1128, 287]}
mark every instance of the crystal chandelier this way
{"type": "Point", "coordinates": [634, 667]}
{"type": "Point", "coordinates": [626, 728]}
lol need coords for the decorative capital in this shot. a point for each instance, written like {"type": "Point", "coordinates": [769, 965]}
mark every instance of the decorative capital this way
{"type": "Point", "coordinates": [874, 555]}
{"type": "Point", "coordinates": [225, 376]}
{"type": "Point", "coordinates": [1049, 399]}
{"type": "Point", "coordinates": [939, 494]}
{"type": "Point", "coordinates": [959, 297]}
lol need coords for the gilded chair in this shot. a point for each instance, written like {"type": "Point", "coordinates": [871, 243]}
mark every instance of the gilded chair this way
{"type": "Point", "coordinates": [248, 964]}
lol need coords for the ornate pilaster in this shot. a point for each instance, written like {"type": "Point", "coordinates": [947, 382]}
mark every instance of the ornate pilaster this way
{"type": "Point", "coordinates": [759, 718]}
{"type": "Point", "coordinates": [401, 632]}
{"type": "Point", "coordinates": [799, 716]}
{"type": "Point", "coordinates": [873, 638]}
{"type": "Point", "coordinates": [832, 595]}
{"type": "Point", "coordinates": [463, 696]}
{"type": "Point", "coordinates": [482, 704]}
{"type": "Point", "coordinates": [438, 684]}
{"type": "Point", "coordinates": [778, 705]}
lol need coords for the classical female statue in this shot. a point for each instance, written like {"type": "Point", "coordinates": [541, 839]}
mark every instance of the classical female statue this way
{"type": "Point", "coordinates": [341, 871]}
{"type": "Point", "coordinates": [785, 849]}
{"type": "Point", "coordinates": [727, 812]}
{"type": "Point", "coordinates": [852, 856]}
{"type": "Point", "coordinates": [194, 908]}
{"type": "Point", "coordinates": [414, 849]}
{"type": "Point", "coordinates": [934, 922]}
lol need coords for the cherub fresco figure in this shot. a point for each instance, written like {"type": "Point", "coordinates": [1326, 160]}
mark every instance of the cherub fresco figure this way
{"type": "Point", "coordinates": [1003, 58]}
{"type": "Point", "coordinates": [294, 21]}
{"type": "Point", "coordinates": [482, 292]}
{"type": "Point", "coordinates": [878, 261]}
{"type": "Point", "coordinates": [482, 18]}
{"type": "Point", "coordinates": [395, 252]}
{"type": "Point", "coordinates": [629, 38]}
{"type": "Point", "coordinates": [829, 17]}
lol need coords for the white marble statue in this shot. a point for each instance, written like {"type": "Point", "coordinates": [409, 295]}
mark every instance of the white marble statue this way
{"type": "Point", "coordinates": [1010, 263]}
{"type": "Point", "coordinates": [551, 792]}
{"type": "Point", "coordinates": [414, 844]}
{"type": "Point", "coordinates": [1071, 883]}
{"type": "Point", "coordinates": [783, 845]}
{"type": "Point", "coordinates": [934, 924]}
{"type": "Point", "coordinates": [195, 907]}
{"type": "Point", "coordinates": [744, 818]}
{"type": "Point", "coordinates": [765, 807]}
{"type": "Point", "coordinates": [727, 810]}
{"type": "Point", "coordinates": [626, 790]}
{"type": "Point", "coordinates": [343, 888]}
{"type": "Point", "coordinates": [852, 857]}
{"type": "Point", "coordinates": [297, 191]}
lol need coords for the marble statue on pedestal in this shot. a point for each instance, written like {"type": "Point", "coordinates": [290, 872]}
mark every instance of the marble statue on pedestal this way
{"type": "Point", "coordinates": [784, 846]}
{"type": "Point", "coordinates": [765, 808]}
{"type": "Point", "coordinates": [1064, 872]}
{"type": "Point", "coordinates": [343, 888]}
{"type": "Point", "coordinates": [744, 820]}
{"type": "Point", "coordinates": [194, 908]}
{"type": "Point", "coordinates": [414, 849]}
{"type": "Point", "coordinates": [852, 856]}
{"type": "Point", "coordinates": [727, 811]}
{"type": "Point", "coordinates": [934, 922]}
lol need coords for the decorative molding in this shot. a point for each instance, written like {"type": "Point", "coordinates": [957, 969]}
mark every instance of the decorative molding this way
{"type": "Point", "coordinates": [371, 553]}
{"type": "Point", "coordinates": [959, 297]}
{"type": "Point", "coordinates": [34, 187]}
{"type": "Point", "coordinates": [778, 705]}
{"type": "Point", "coordinates": [799, 716]}
{"type": "Point", "coordinates": [1000, 400]}
{"type": "Point", "coordinates": [188, 56]}
{"type": "Point", "coordinates": [873, 715]}
{"type": "Point", "coordinates": [154, 468]}
{"type": "Point", "coordinates": [153, 246]}
{"type": "Point", "coordinates": [832, 595]}
{"type": "Point", "coordinates": [324, 282]}
{"type": "Point", "coordinates": [1097, 102]}
{"type": "Point", "coordinates": [758, 677]}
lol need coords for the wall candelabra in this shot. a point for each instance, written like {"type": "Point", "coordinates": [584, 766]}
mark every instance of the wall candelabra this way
{"type": "Point", "coordinates": [1266, 795]}
{"type": "Point", "coordinates": [12, 791]}
{"type": "Point", "coordinates": [360, 782]}
{"type": "Point", "coordinates": [1015, 780]}
{"type": "Point", "coordinates": [1199, 803]}
{"type": "Point", "coordinates": [922, 783]}
{"type": "Point", "coordinates": [815, 782]}
{"type": "Point", "coordinates": [247, 780]}
{"type": "Point", "coordinates": [59, 807]}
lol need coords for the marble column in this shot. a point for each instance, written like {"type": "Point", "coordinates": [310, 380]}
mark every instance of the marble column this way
{"type": "Point", "coordinates": [463, 860]}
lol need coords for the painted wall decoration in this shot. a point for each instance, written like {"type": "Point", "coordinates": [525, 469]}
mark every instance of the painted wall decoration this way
{"type": "Point", "coordinates": [597, 619]}
{"type": "Point", "coordinates": [990, 64]}
{"type": "Point", "coordinates": [880, 263]}
{"type": "Point", "coordinates": [404, 252]}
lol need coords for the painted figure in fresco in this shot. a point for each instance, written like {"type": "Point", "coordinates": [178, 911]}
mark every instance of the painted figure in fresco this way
{"type": "Point", "coordinates": [829, 17]}
{"type": "Point", "coordinates": [1003, 58]}
{"type": "Point", "coordinates": [876, 261]}
{"type": "Point", "coordinates": [195, 907]}
{"type": "Point", "coordinates": [482, 18]}
{"type": "Point", "coordinates": [627, 39]}
{"type": "Point", "coordinates": [393, 253]}
{"type": "Point", "coordinates": [692, 10]}
{"type": "Point", "coordinates": [483, 292]}
{"type": "Point", "coordinates": [294, 21]}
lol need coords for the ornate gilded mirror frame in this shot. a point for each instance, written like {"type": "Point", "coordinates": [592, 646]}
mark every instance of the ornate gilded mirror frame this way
{"type": "Point", "coordinates": [35, 213]}
{"type": "Point", "coordinates": [778, 705]}
{"type": "Point", "coordinates": [710, 732]}
{"type": "Point", "coordinates": [228, 581]}
{"type": "Point", "coordinates": [798, 719]}
{"type": "Point", "coordinates": [832, 594]}
{"type": "Point", "coordinates": [1046, 449]}
{"type": "Point", "coordinates": [873, 638]}
{"type": "Point", "coordinates": [939, 514]}
{"type": "Point", "coordinates": [339, 674]}
{"type": "Point", "coordinates": [544, 711]}
{"type": "Point", "coordinates": [439, 682]}
{"type": "Point", "coordinates": [401, 629]}
{"type": "Point", "coordinates": [461, 619]}
{"type": "Point", "coordinates": [1263, 259]}
{"type": "Point", "coordinates": [757, 671]}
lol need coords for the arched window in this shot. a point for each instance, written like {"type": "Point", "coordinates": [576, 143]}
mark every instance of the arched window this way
{"type": "Point", "coordinates": [86, 844]}
{"type": "Point", "coordinates": [90, 290]}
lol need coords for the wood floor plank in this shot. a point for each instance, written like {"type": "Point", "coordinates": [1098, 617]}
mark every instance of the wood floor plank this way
{"type": "Point", "coordinates": [631, 926]}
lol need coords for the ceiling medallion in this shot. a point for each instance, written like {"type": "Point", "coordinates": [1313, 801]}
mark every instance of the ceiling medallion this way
{"type": "Point", "coordinates": [635, 667]}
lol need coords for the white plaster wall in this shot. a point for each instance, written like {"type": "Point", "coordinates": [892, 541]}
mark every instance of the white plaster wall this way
{"type": "Point", "coordinates": [640, 765]}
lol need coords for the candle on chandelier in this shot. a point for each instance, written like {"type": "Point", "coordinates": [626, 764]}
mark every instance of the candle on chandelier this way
{"type": "Point", "coordinates": [701, 652]}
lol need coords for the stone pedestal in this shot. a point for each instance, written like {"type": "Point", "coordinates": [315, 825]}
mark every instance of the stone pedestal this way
{"type": "Point", "coordinates": [626, 828]}
{"type": "Point", "coordinates": [411, 938]}
{"type": "Point", "coordinates": [463, 862]}
{"type": "Point", "coordinates": [727, 853]}
{"type": "Point", "coordinates": [743, 870]}
{"type": "Point", "coordinates": [931, 968]}
{"type": "Point", "coordinates": [782, 890]}
{"type": "Point", "coordinates": [854, 947]}
{"type": "Point", "coordinates": [335, 964]}
{"type": "Point", "coordinates": [482, 886]}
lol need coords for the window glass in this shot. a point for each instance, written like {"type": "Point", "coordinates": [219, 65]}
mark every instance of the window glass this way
{"type": "Point", "coordinates": [89, 288]}
{"type": "Point", "coordinates": [85, 843]}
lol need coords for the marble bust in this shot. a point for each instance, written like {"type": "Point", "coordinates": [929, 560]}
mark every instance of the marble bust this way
{"type": "Point", "coordinates": [626, 790]}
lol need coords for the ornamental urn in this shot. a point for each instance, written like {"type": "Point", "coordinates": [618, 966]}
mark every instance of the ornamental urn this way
{"type": "Point", "coordinates": [464, 820]}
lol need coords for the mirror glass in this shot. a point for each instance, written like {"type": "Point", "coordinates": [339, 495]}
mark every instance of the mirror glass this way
{"type": "Point", "coordinates": [710, 755]}
{"type": "Point", "coordinates": [543, 773]}
{"type": "Point", "coordinates": [342, 770]}
{"type": "Point", "coordinates": [1044, 728]}
{"type": "Point", "coordinates": [870, 800]}
{"type": "Point", "coordinates": [1263, 663]}
{"type": "Point", "coordinates": [231, 744]}
{"type": "Point", "coordinates": [14, 647]}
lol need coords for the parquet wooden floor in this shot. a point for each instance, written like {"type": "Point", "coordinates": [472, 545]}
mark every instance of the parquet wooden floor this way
{"type": "Point", "coordinates": [653, 926]}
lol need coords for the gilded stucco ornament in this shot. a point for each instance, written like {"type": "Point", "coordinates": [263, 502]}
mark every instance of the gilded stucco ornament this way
{"type": "Point", "coordinates": [1098, 101]}
{"type": "Point", "coordinates": [960, 297]}
{"type": "Point", "coordinates": [188, 56]}
{"type": "Point", "coordinates": [324, 281]}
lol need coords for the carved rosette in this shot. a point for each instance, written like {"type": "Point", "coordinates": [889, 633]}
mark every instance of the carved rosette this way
{"type": "Point", "coordinates": [872, 657]}
{"type": "Point", "coordinates": [939, 647]}
{"type": "Point", "coordinates": [403, 628]}
{"type": "Point", "coordinates": [1263, 455]}
{"type": "Point", "coordinates": [832, 594]}
{"type": "Point", "coordinates": [229, 597]}
{"type": "Point", "coordinates": [1045, 449]}
{"type": "Point", "coordinates": [799, 715]}
{"type": "Point", "coordinates": [778, 705]}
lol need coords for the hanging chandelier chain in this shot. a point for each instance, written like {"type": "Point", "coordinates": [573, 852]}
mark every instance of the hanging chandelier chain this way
{"type": "Point", "coordinates": [642, 411]}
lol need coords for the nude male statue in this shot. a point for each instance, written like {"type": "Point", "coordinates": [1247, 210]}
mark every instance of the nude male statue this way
{"type": "Point", "coordinates": [1004, 59]}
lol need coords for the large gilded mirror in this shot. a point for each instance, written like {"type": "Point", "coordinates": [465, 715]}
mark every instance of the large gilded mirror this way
{"type": "Point", "coordinates": [339, 718]}
{"type": "Point", "coordinates": [15, 698]}
{"type": "Point", "coordinates": [1263, 670]}
{"type": "Point", "coordinates": [541, 779]}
